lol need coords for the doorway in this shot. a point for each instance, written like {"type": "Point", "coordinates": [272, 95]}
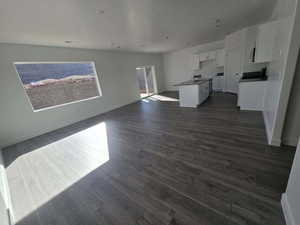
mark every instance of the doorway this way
{"type": "Point", "coordinates": [146, 81]}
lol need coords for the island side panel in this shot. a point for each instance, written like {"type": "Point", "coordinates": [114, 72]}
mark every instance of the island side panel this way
{"type": "Point", "coordinates": [189, 96]}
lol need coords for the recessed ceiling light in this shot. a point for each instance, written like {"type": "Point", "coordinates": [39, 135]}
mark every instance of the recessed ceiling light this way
{"type": "Point", "coordinates": [100, 11]}
{"type": "Point", "coordinates": [68, 42]}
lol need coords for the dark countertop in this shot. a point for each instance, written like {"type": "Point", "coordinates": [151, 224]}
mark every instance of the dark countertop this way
{"type": "Point", "coordinates": [251, 80]}
{"type": "Point", "coordinates": [192, 82]}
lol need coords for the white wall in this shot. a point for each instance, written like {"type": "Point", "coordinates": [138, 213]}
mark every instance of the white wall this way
{"type": "Point", "coordinates": [178, 64]}
{"type": "Point", "coordinates": [280, 70]}
{"type": "Point", "coordinates": [116, 71]}
{"type": "Point", "coordinates": [283, 9]}
{"type": "Point", "coordinates": [4, 195]}
{"type": "Point", "coordinates": [291, 198]}
{"type": "Point", "coordinates": [291, 132]}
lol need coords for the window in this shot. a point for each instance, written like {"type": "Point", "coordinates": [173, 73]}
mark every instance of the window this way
{"type": "Point", "coordinates": [49, 84]}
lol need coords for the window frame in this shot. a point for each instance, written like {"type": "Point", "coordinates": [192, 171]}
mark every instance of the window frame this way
{"type": "Point", "coordinates": [58, 62]}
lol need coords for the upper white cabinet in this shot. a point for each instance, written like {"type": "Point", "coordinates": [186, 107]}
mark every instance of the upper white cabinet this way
{"type": "Point", "coordinates": [196, 62]}
{"type": "Point", "coordinates": [204, 56]}
{"type": "Point", "coordinates": [265, 42]}
{"type": "Point", "coordinates": [212, 55]}
{"type": "Point", "coordinates": [220, 57]}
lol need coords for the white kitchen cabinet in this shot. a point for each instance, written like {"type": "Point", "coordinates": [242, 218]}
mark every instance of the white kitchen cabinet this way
{"type": "Point", "coordinates": [193, 95]}
{"type": "Point", "coordinates": [265, 41]}
{"type": "Point", "coordinates": [251, 95]}
{"type": "Point", "coordinates": [220, 58]}
{"type": "Point", "coordinates": [204, 56]}
{"type": "Point", "coordinates": [203, 92]}
{"type": "Point", "coordinates": [212, 55]}
{"type": "Point", "coordinates": [196, 62]}
{"type": "Point", "coordinates": [218, 83]}
{"type": "Point", "coordinates": [189, 96]}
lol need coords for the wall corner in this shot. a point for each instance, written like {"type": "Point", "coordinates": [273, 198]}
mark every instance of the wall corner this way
{"type": "Point", "coordinates": [289, 218]}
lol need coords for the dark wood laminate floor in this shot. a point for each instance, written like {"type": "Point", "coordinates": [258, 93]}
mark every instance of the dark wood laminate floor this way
{"type": "Point", "coordinates": [152, 163]}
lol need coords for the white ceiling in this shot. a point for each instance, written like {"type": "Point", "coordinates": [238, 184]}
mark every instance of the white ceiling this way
{"type": "Point", "coordinates": [135, 25]}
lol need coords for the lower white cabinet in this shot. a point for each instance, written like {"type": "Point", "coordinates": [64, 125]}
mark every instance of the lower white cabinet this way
{"type": "Point", "coordinates": [203, 92]}
{"type": "Point", "coordinates": [193, 95]}
{"type": "Point", "coordinates": [218, 83]}
{"type": "Point", "coordinates": [251, 95]}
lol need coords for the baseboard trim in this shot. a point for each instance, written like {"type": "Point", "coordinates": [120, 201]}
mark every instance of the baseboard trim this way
{"type": "Point", "coordinates": [275, 142]}
{"type": "Point", "coordinates": [290, 141]}
{"type": "Point", "coordinates": [112, 108]}
{"type": "Point", "coordinates": [6, 192]}
{"type": "Point", "coordinates": [289, 219]}
{"type": "Point", "coordinates": [249, 109]}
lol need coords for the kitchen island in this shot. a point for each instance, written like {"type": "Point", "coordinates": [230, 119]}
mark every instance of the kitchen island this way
{"type": "Point", "coordinates": [193, 93]}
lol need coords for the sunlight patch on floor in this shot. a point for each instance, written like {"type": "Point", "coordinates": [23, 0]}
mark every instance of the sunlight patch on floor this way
{"type": "Point", "coordinates": [162, 98]}
{"type": "Point", "coordinates": [49, 170]}
{"type": "Point", "coordinates": [145, 95]}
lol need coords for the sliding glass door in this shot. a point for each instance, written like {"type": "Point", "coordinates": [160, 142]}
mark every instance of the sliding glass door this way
{"type": "Point", "coordinates": [146, 80]}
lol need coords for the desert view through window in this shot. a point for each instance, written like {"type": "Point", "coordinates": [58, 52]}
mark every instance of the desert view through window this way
{"type": "Point", "coordinates": [52, 84]}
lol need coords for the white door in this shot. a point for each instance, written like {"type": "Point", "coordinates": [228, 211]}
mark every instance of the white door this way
{"type": "Point", "coordinates": [233, 69]}
{"type": "Point", "coordinates": [146, 81]}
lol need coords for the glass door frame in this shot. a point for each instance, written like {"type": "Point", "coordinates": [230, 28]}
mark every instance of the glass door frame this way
{"type": "Point", "coordinates": [153, 73]}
